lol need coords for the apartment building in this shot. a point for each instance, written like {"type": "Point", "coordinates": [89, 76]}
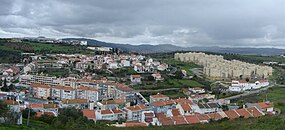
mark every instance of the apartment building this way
{"type": "Point", "coordinates": [40, 91]}
{"type": "Point", "coordinates": [87, 93]}
{"type": "Point", "coordinates": [216, 67]}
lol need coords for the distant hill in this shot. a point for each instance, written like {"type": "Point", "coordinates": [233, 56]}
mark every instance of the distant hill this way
{"type": "Point", "coordinates": [145, 48]}
{"type": "Point", "coordinates": [133, 48]}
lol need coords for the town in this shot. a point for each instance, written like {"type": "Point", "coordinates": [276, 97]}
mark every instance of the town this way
{"type": "Point", "coordinates": [109, 87]}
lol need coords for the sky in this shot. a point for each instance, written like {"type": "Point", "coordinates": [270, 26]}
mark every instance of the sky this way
{"type": "Point", "coordinates": [225, 23]}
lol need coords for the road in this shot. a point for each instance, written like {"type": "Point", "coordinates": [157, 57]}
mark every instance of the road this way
{"type": "Point", "coordinates": [247, 93]}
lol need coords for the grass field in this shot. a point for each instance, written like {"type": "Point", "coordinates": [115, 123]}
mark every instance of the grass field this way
{"type": "Point", "coordinates": [171, 83]}
{"type": "Point", "coordinates": [275, 95]}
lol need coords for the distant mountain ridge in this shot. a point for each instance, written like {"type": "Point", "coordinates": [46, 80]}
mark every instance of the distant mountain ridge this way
{"type": "Point", "coordinates": [146, 48]}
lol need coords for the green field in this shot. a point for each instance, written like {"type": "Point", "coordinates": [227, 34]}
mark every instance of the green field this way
{"type": "Point", "coordinates": [275, 95]}
{"type": "Point", "coordinates": [10, 52]}
{"type": "Point", "coordinates": [171, 83]}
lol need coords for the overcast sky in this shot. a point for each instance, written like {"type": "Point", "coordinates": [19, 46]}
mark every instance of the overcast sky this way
{"type": "Point", "coordinates": [253, 23]}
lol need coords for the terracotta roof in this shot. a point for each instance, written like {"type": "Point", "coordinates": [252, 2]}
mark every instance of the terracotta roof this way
{"type": "Point", "coordinates": [135, 124]}
{"type": "Point", "coordinates": [215, 116]}
{"type": "Point", "coordinates": [183, 100]}
{"type": "Point", "coordinates": [50, 105]}
{"type": "Point", "coordinates": [242, 81]}
{"type": "Point", "coordinates": [149, 114]}
{"type": "Point", "coordinates": [117, 101]}
{"type": "Point", "coordinates": [87, 88]}
{"type": "Point", "coordinates": [264, 105]}
{"type": "Point", "coordinates": [197, 88]}
{"type": "Point", "coordinates": [74, 101]}
{"type": "Point", "coordinates": [262, 81]}
{"type": "Point", "coordinates": [40, 85]}
{"type": "Point", "coordinates": [166, 121]}
{"type": "Point", "coordinates": [185, 106]}
{"type": "Point", "coordinates": [90, 114]}
{"type": "Point", "coordinates": [35, 106]}
{"type": "Point", "coordinates": [137, 108]}
{"type": "Point", "coordinates": [160, 115]}
{"type": "Point", "coordinates": [159, 96]}
{"type": "Point", "coordinates": [244, 113]}
{"type": "Point", "coordinates": [135, 76]}
{"type": "Point", "coordinates": [175, 112]}
{"type": "Point", "coordinates": [180, 120]}
{"type": "Point", "coordinates": [124, 87]}
{"type": "Point", "coordinates": [116, 111]}
{"type": "Point", "coordinates": [255, 112]}
{"type": "Point", "coordinates": [231, 114]}
{"type": "Point", "coordinates": [10, 102]}
{"type": "Point", "coordinates": [106, 112]}
{"type": "Point", "coordinates": [191, 119]}
{"type": "Point", "coordinates": [203, 117]}
{"type": "Point", "coordinates": [162, 103]}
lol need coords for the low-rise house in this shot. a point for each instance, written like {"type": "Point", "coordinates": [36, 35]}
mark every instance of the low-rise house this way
{"type": "Point", "coordinates": [197, 90]}
{"type": "Point", "coordinates": [111, 115]}
{"type": "Point", "coordinates": [40, 91]}
{"type": "Point", "coordinates": [89, 114]}
{"type": "Point", "coordinates": [208, 107]}
{"type": "Point", "coordinates": [197, 97]}
{"type": "Point", "coordinates": [266, 106]}
{"type": "Point", "coordinates": [162, 105]}
{"type": "Point", "coordinates": [135, 79]}
{"type": "Point", "coordinates": [158, 97]}
{"type": "Point", "coordinates": [111, 104]}
{"type": "Point", "coordinates": [148, 117]}
{"type": "Point", "coordinates": [134, 113]}
{"type": "Point", "coordinates": [157, 76]}
{"type": "Point", "coordinates": [184, 108]}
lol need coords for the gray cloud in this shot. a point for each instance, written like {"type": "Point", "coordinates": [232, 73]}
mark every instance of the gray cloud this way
{"type": "Point", "coordinates": [256, 23]}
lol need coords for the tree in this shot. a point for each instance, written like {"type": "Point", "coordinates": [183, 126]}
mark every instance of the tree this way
{"type": "Point", "coordinates": [25, 113]}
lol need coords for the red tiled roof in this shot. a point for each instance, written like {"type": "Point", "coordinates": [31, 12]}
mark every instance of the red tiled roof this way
{"type": "Point", "coordinates": [162, 103]}
{"type": "Point", "coordinates": [50, 105]}
{"type": "Point", "coordinates": [231, 114]}
{"type": "Point", "coordinates": [215, 116]}
{"type": "Point", "coordinates": [117, 101]}
{"type": "Point", "coordinates": [254, 111]}
{"type": "Point", "coordinates": [106, 112]}
{"type": "Point", "coordinates": [10, 102]}
{"type": "Point", "coordinates": [74, 101]}
{"type": "Point", "coordinates": [244, 113]}
{"type": "Point", "coordinates": [159, 96]}
{"type": "Point", "coordinates": [180, 120]}
{"type": "Point", "coordinates": [135, 76]}
{"type": "Point", "coordinates": [137, 108]}
{"type": "Point", "coordinates": [191, 119]}
{"type": "Point", "coordinates": [185, 106]}
{"type": "Point", "coordinates": [264, 105]}
{"type": "Point", "coordinates": [116, 111]}
{"type": "Point", "coordinates": [183, 100]}
{"type": "Point", "coordinates": [203, 117]}
{"type": "Point", "coordinates": [166, 121]}
{"type": "Point", "coordinates": [149, 114]}
{"type": "Point", "coordinates": [90, 114]}
{"type": "Point", "coordinates": [87, 88]}
{"type": "Point", "coordinates": [35, 106]}
{"type": "Point", "coordinates": [175, 112]}
{"type": "Point", "coordinates": [40, 85]}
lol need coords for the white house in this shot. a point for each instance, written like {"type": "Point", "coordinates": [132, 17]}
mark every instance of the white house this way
{"type": "Point", "coordinates": [135, 79]}
{"type": "Point", "coordinates": [134, 113]}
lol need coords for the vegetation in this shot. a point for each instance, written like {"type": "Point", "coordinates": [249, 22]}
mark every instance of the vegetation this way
{"type": "Point", "coordinates": [275, 95]}
{"type": "Point", "coordinates": [10, 52]}
{"type": "Point", "coordinates": [171, 93]}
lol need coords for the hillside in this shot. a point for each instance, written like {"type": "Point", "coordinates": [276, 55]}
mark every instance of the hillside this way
{"type": "Point", "coordinates": [146, 48]}
{"type": "Point", "coordinates": [10, 52]}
